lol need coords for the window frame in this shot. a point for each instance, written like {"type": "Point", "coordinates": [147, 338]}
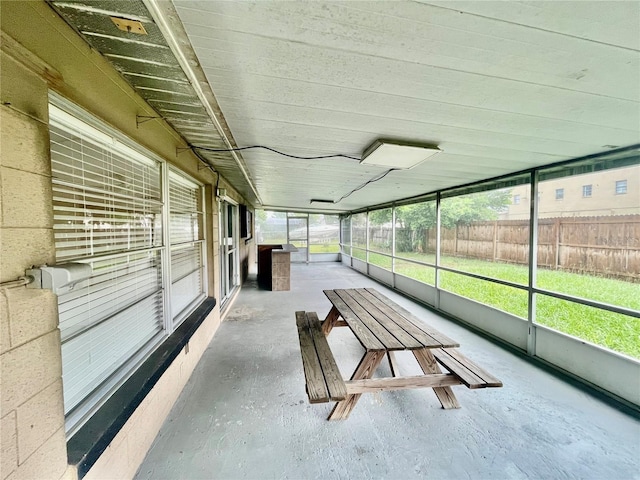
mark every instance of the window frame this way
{"type": "Point", "coordinates": [97, 131]}
{"type": "Point", "coordinates": [621, 187]}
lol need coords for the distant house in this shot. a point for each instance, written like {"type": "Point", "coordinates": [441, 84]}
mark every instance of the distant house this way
{"type": "Point", "coordinates": [608, 192]}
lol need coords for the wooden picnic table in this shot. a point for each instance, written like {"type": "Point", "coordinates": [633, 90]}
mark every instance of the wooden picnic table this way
{"type": "Point", "coordinates": [382, 327]}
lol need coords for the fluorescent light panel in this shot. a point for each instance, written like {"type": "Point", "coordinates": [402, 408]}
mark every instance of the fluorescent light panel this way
{"type": "Point", "coordinates": [399, 156]}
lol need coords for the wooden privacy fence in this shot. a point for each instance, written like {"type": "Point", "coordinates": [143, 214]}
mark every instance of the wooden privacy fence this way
{"type": "Point", "coordinates": [606, 246]}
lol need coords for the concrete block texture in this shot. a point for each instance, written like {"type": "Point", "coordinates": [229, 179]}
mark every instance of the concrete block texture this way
{"type": "Point", "coordinates": [9, 443]}
{"type": "Point", "coordinates": [25, 142]}
{"type": "Point", "coordinates": [27, 201]}
{"type": "Point", "coordinates": [22, 248]}
{"type": "Point", "coordinates": [31, 313]}
{"type": "Point", "coordinates": [49, 461]}
{"type": "Point", "coordinates": [27, 370]}
{"type": "Point", "coordinates": [5, 329]}
{"type": "Point", "coordinates": [39, 418]}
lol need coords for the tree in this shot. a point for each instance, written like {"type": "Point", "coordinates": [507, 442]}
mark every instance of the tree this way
{"type": "Point", "coordinates": [380, 217]}
{"type": "Point", "coordinates": [417, 218]}
{"type": "Point", "coordinates": [463, 210]}
{"type": "Point", "coordinates": [261, 215]}
{"type": "Point", "coordinates": [477, 207]}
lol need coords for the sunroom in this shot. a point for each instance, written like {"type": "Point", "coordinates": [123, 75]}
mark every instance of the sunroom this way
{"type": "Point", "coordinates": [478, 162]}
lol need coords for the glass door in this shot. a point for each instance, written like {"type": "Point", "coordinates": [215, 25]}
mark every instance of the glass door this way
{"type": "Point", "coordinates": [229, 279]}
{"type": "Point", "coordinates": [298, 236]}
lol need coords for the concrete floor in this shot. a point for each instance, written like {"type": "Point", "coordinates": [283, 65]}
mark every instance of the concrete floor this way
{"type": "Point", "coordinates": [244, 412]}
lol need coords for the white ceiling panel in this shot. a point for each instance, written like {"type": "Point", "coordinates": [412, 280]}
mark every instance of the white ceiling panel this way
{"type": "Point", "coordinates": [609, 22]}
{"type": "Point", "coordinates": [498, 86]}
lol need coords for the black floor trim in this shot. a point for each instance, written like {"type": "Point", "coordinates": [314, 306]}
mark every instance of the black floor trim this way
{"type": "Point", "coordinates": [93, 438]}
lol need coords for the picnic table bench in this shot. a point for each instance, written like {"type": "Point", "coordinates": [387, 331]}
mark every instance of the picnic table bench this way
{"type": "Point", "coordinates": [382, 327]}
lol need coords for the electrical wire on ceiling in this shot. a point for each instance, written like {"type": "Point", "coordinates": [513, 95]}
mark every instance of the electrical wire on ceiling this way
{"type": "Point", "coordinates": [375, 179]}
{"type": "Point", "coordinates": [195, 148]}
{"type": "Point", "coordinates": [238, 149]}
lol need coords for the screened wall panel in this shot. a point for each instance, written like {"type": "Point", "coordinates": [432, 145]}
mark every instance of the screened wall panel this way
{"type": "Point", "coordinates": [345, 234]}
{"type": "Point", "coordinates": [545, 260]}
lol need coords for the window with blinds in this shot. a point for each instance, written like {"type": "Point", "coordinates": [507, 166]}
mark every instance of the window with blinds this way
{"type": "Point", "coordinates": [108, 212]}
{"type": "Point", "coordinates": [103, 201]}
{"type": "Point", "coordinates": [139, 224]}
{"type": "Point", "coordinates": [187, 245]}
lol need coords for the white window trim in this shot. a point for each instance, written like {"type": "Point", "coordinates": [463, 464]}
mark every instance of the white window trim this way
{"type": "Point", "coordinates": [173, 323]}
{"type": "Point", "coordinates": [81, 121]}
{"type": "Point", "coordinates": [621, 183]}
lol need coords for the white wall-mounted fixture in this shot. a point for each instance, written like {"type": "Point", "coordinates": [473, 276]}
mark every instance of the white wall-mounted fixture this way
{"type": "Point", "coordinates": [397, 155]}
{"type": "Point", "coordinates": [59, 278]}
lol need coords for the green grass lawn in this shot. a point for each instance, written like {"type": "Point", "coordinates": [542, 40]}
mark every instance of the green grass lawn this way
{"type": "Point", "coordinates": [359, 254]}
{"type": "Point", "coordinates": [615, 331]}
{"type": "Point", "coordinates": [324, 248]}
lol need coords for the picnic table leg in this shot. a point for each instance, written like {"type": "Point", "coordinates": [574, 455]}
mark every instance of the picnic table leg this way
{"type": "Point", "coordinates": [367, 366]}
{"type": "Point", "coordinates": [330, 321]}
{"type": "Point", "coordinates": [393, 364]}
{"type": "Point", "coordinates": [429, 365]}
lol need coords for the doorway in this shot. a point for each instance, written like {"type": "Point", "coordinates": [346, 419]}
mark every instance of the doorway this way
{"type": "Point", "coordinates": [298, 236]}
{"type": "Point", "coordinates": [229, 265]}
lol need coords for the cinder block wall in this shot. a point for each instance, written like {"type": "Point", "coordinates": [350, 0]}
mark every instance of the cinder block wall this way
{"type": "Point", "coordinates": [41, 52]}
{"type": "Point", "coordinates": [31, 411]}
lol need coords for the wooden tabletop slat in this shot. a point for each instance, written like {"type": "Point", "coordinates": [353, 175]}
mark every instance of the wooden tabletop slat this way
{"type": "Point", "coordinates": [363, 334]}
{"type": "Point", "coordinates": [376, 327]}
{"type": "Point", "coordinates": [387, 318]}
{"type": "Point", "coordinates": [379, 323]}
{"type": "Point", "coordinates": [419, 336]}
{"type": "Point", "coordinates": [442, 340]}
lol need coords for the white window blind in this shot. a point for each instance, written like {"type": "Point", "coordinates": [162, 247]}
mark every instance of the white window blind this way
{"type": "Point", "coordinates": [107, 201]}
{"type": "Point", "coordinates": [187, 245]}
{"type": "Point", "coordinates": [103, 202]}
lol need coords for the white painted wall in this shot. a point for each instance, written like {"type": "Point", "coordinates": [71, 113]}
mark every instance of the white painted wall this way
{"type": "Point", "coordinates": [612, 372]}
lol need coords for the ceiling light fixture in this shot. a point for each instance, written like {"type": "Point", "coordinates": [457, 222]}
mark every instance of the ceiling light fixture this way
{"type": "Point", "coordinates": [320, 200]}
{"type": "Point", "coordinates": [397, 155]}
